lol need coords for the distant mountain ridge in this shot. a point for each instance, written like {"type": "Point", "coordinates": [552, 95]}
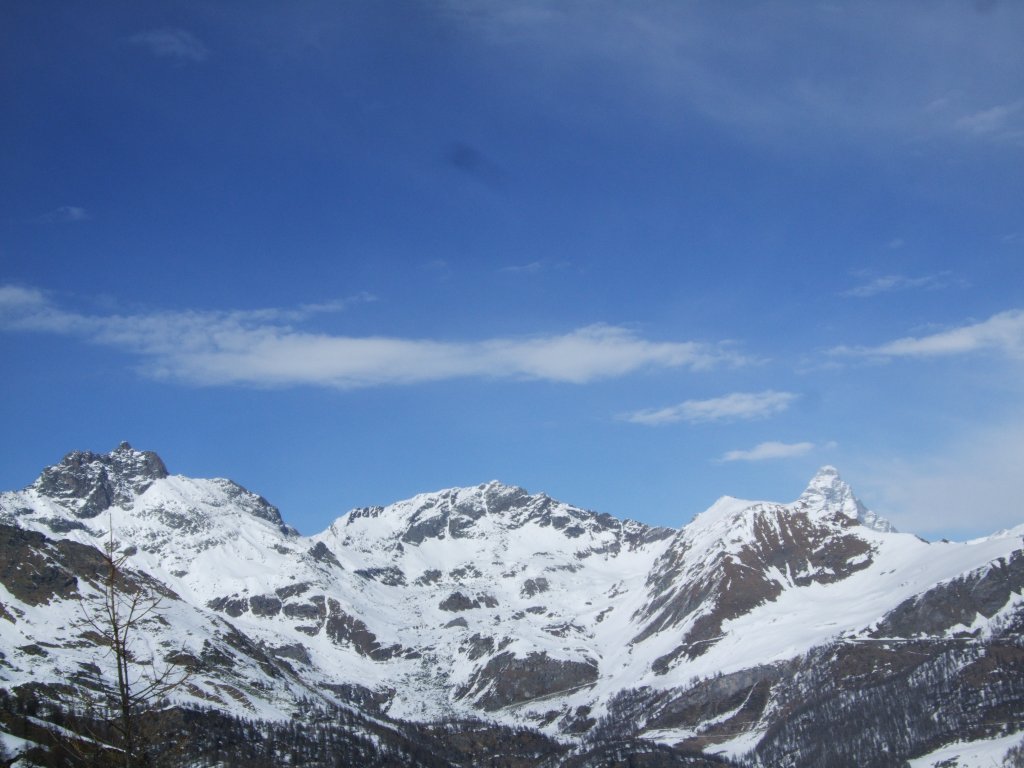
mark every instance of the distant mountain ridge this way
{"type": "Point", "coordinates": [492, 602]}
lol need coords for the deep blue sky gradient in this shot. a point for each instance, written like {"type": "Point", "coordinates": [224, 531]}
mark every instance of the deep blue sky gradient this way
{"type": "Point", "coordinates": [796, 185]}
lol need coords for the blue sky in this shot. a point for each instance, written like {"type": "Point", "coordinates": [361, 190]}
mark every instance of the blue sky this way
{"type": "Point", "coordinates": [634, 255]}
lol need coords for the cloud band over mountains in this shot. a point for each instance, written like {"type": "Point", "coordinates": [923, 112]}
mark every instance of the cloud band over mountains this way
{"type": "Point", "coordinates": [263, 348]}
{"type": "Point", "coordinates": [1001, 333]}
{"type": "Point", "coordinates": [733, 407]}
{"type": "Point", "coordinates": [769, 450]}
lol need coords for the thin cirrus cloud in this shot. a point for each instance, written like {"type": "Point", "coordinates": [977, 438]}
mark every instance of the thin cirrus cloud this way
{"type": "Point", "coordinates": [733, 407]}
{"type": "Point", "coordinates": [1001, 333]}
{"type": "Point", "coordinates": [1001, 122]}
{"type": "Point", "coordinates": [263, 348]}
{"type": "Point", "coordinates": [172, 43]}
{"type": "Point", "coordinates": [65, 214]}
{"type": "Point", "coordinates": [892, 283]}
{"type": "Point", "coordinates": [882, 85]}
{"type": "Point", "coordinates": [769, 450]}
{"type": "Point", "coordinates": [532, 268]}
{"type": "Point", "coordinates": [535, 267]}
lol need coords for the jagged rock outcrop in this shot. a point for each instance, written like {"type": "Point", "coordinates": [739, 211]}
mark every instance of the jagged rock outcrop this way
{"type": "Point", "coordinates": [508, 679]}
{"type": "Point", "coordinates": [89, 483]}
{"type": "Point", "coordinates": [538, 614]}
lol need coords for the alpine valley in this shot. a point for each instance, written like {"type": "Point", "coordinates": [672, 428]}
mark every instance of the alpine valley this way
{"type": "Point", "coordinates": [492, 626]}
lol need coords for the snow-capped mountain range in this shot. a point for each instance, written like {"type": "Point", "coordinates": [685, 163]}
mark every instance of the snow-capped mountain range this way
{"type": "Point", "coordinates": [493, 602]}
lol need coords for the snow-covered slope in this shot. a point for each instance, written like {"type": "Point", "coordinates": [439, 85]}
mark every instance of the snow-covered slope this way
{"type": "Point", "coordinates": [484, 600]}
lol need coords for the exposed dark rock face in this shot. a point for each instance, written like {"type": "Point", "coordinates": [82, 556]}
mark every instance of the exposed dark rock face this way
{"type": "Point", "coordinates": [91, 482]}
{"type": "Point", "coordinates": [59, 525]}
{"type": "Point", "coordinates": [345, 629]}
{"type": "Point", "coordinates": [322, 554]}
{"type": "Point", "coordinates": [731, 583]}
{"type": "Point", "coordinates": [294, 651]}
{"type": "Point", "coordinates": [454, 514]}
{"type": "Point", "coordinates": [33, 649]}
{"type": "Point", "coordinates": [429, 576]}
{"type": "Point", "coordinates": [733, 703]}
{"type": "Point", "coordinates": [6, 616]}
{"type": "Point", "coordinates": [232, 606]}
{"type": "Point", "coordinates": [302, 610]}
{"type": "Point", "coordinates": [903, 678]}
{"type": "Point", "coordinates": [37, 570]}
{"type": "Point", "coordinates": [957, 602]}
{"type": "Point", "coordinates": [292, 590]}
{"type": "Point", "coordinates": [565, 629]}
{"type": "Point", "coordinates": [533, 587]}
{"type": "Point", "coordinates": [457, 601]}
{"type": "Point", "coordinates": [432, 527]}
{"type": "Point", "coordinates": [637, 753]}
{"type": "Point", "coordinates": [499, 499]}
{"type": "Point", "coordinates": [255, 505]}
{"type": "Point", "coordinates": [467, 571]}
{"type": "Point", "coordinates": [264, 605]}
{"type": "Point", "coordinates": [232, 644]}
{"type": "Point", "coordinates": [637, 534]}
{"type": "Point", "coordinates": [578, 721]}
{"type": "Point", "coordinates": [478, 646]}
{"type": "Point", "coordinates": [313, 610]}
{"type": "Point", "coordinates": [927, 694]}
{"type": "Point", "coordinates": [359, 695]}
{"type": "Point", "coordinates": [508, 679]}
{"type": "Point", "coordinates": [28, 569]}
{"type": "Point", "coordinates": [393, 577]}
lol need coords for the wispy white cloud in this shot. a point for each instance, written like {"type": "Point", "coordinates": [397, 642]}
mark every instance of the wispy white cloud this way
{"type": "Point", "coordinates": [531, 268]}
{"type": "Point", "coordinates": [769, 450]}
{"type": "Point", "coordinates": [263, 348]}
{"type": "Point", "coordinates": [1002, 121]}
{"type": "Point", "coordinates": [733, 407]}
{"type": "Point", "coordinates": [534, 267]}
{"type": "Point", "coordinates": [873, 73]}
{"type": "Point", "coordinates": [65, 214]}
{"type": "Point", "coordinates": [891, 283]}
{"type": "Point", "coordinates": [172, 43]}
{"type": "Point", "coordinates": [1001, 333]}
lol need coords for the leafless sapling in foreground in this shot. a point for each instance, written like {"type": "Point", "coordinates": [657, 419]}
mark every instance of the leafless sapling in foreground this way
{"type": "Point", "coordinates": [124, 734]}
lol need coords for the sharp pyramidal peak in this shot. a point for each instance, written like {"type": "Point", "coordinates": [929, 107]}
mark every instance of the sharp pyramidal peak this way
{"type": "Point", "coordinates": [747, 633]}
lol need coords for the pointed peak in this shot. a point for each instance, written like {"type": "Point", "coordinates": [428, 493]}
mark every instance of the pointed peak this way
{"type": "Point", "coordinates": [829, 494]}
{"type": "Point", "coordinates": [828, 489]}
{"type": "Point", "coordinates": [492, 487]}
{"type": "Point", "coordinates": [827, 483]}
{"type": "Point", "coordinates": [826, 473]}
{"type": "Point", "coordinates": [458, 497]}
{"type": "Point", "coordinates": [90, 482]}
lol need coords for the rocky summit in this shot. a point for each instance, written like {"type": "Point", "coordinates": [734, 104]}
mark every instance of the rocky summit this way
{"type": "Point", "coordinates": [769, 634]}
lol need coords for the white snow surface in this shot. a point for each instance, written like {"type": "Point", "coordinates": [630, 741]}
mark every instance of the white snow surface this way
{"type": "Point", "coordinates": [985, 753]}
{"type": "Point", "coordinates": [14, 745]}
{"type": "Point", "coordinates": [540, 576]}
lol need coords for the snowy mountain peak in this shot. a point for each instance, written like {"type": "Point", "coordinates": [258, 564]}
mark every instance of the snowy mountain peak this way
{"type": "Point", "coordinates": [492, 514]}
{"type": "Point", "coordinates": [829, 494]}
{"type": "Point", "coordinates": [88, 483]}
{"type": "Point", "coordinates": [492, 601]}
